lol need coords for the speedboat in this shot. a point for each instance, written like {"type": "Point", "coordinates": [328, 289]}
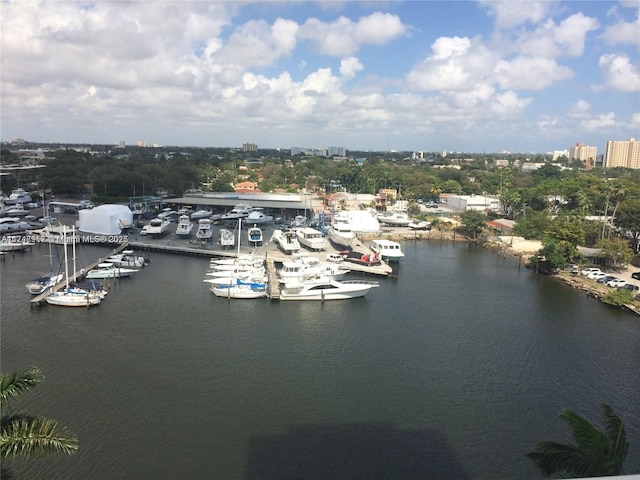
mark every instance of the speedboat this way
{"type": "Point", "coordinates": [254, 235]}
{"type": "Point", "coordinates": [311, 238]}
{"type": "Point", "coordinates": [205, 231]}
{"type": "Point", "coordinates": [365, 259]}
{"type": "Point", "coordinates": [15, 243]}
{"type": "Point", "coordinates": [109, 270]}
{"type": "Point", "coordinates": [199, 214]}
{"type": "Point", "coordinates": [308, 267]}
{"type": "Point", "coordinates": [184, 226]}
{"type": "Point", "coordinates": [387, 249]}
{"type": "Point", "coordinates": [287, 240]}
{"type": "Point", "coordinates": [127, 259]}
{"type": "Point", "coordinates": [16, 211]}
{"type": "Point", "coordinates": [419, 224]}
{"type": "Point", "coordinates": [258, 217]}
{"type": "Point", "coordinates": [328, 290]}
{"type": "Point", "coordinates": [158, 226]}
{"type": "Point", "coordinates": [394, 219]}
{"type": "Point", "coordinates": [227, 238]}
{"type": "Point", "coordinates": [41, 284]}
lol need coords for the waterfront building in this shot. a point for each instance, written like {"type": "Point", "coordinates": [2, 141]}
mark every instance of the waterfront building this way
{"type": "Point", "coordinates": [621, 153]}
{"type": "Point", "coordinates": [584, 153]}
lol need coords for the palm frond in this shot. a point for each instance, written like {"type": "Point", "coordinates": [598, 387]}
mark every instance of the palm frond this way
{"type": "Point", "coordinates": [617, 437]}
{"type": "Point", "coordinates": [28, 437]}
{"type": "Point", "coordinates": [556, 458]}
{"type": "Point", "coordinates": [588, 438]}
{"type": "Point", "coordinates": [14, 385]}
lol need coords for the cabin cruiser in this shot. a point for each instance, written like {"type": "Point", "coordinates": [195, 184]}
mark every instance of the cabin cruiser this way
{"type": "Point", "coordinates": [17, 196]}
{"type": "Point", "coordinates": [127, 259]}
{"type": "Point", "coordinates": [158, 226]}
{"type": "Point", "coordinates": [109, 270]}
{"type": "Point", "coordinates": [258, 217]}
{"type": "Point", "coordinates": [13, 225]}
{"type": "Point", "coordinates": [387, 249]}
{"type": "Point", "coordinates": [227, 238]}
{"type": "Point", "coordinates": [287, 240]}
{"type": "Point", "coordinates": [14, 243]}
{"type": "Point", "coordinates": [254, 236]}
{"type": "Point", "coordinates": [199, 214]}
{"type": "Point", "coordinates": [340, 232]}
{"type": "Point", "coordinates": [311, 238]}
{"type": "Point", "coordinates": [184, 226]}
{"type": "Point", "coordinates": [239, 211]}
{"type": "Point", "coordinates": [205, 231]}
{"type": "Point", "coordinates": [328, 290]}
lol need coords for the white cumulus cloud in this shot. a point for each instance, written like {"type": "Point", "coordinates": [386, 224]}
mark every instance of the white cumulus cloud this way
{"type": "Point", "coordinates": [619, 73]}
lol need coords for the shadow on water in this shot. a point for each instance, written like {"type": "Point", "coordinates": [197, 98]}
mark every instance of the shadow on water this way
{"type": "Point", "coordinates": [353, 451]}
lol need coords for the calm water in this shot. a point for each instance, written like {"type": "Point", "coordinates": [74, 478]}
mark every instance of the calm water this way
{"type": "Point", "coordinates": [455, 369]}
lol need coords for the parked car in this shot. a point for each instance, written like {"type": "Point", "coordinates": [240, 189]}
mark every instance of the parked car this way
{"type": "Point", "coordinates": [606, 279]}
{"type": "Point", "coordinates": [631, 287]}
{"type": "Point", "coordinates": [617, 283]}
{"type": "Point", "coordinates": [589, 270]}
{"type": "Point", "coordinates": [636, 275]}
{"type": "Point", "coordinates": [596, 275]}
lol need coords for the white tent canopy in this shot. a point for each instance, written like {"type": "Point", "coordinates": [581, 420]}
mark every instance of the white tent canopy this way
{"type": "Point", "coordinates": [105, 219]}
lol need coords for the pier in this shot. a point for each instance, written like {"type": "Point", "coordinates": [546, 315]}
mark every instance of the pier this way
{"type": "Point", "coordinates": [38, 299]}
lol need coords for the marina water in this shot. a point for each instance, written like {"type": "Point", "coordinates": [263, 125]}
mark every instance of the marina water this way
{"type": "Point", "coordinates": [454, 369]}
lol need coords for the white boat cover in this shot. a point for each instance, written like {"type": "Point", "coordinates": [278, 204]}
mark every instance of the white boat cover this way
{"type": "Point", "coordinates": [105, 219]}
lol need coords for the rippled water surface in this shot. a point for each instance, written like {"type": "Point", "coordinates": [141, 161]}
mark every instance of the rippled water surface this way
{"type": "Point", "coordinates": [454, 369]}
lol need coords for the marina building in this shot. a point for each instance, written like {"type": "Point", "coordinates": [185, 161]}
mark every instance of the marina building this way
{"type": "Point", "coordinates": [621, 153]}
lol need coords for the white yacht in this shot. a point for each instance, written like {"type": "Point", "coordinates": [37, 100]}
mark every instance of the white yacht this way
{"type": "Point", "coordinates": [13, 225]}
{"type": "Point", "coordinates": [241, 210]}
{"type": "Point", "coordinates": [394, 219]}
{"type": "Point", "coordinates": [127, 259]}
{"type": "Point", "coordinates": [340, 232]}
{"type": "Point", "coordinates": [205, 231]}
{"type": "Point", "coordinates": [200, 214]}
{"type": "Point", "coordinates": [287, 240]}
{"type": "Point", "coordinates": [185, 225]}
{"type": "Point", "coordinates": [311, 238]}
{"type": "Point", "coordinates": [109, 270]}
{"type": "Point", "coordinates": [254, 236]}
{"type": "Point", "coordinates": [258, 217]}
{"type": "Point", "coordinates": [328, 290]}
{"type": "Point", "coordinates": [158, 226]}
{"type": "Point", "coordinates": [227, 238]}
{"type": "Point", "coordinates": [387, 249]}
{"type": "Point", "coordinates": [18, 195]}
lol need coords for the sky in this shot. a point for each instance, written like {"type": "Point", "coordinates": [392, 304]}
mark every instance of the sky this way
{"type": "Point", "coordinates": [484, 76]}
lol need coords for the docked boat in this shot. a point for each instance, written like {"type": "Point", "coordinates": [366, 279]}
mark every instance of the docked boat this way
{"type": "Point", "coordinates": [301, 269]}
{"type": "Point", "coordinates": [416, 224]}
{"type": "Point", "coordinates": [158, 226]}
{"type": "Point", "coordinates": [298, 222]}
{"type": "Point", "coordinates": [109, 270]}
{"type": "Point", "coordinates": [328, 290]}
{"type": "Point", "coordinates": [258, 217]}
{"type": "Point", "coordinates": [340, 233]}
{"type": "Point", "coordinates": [311, 238]}
{"type": "Point", "coordinates": [200, 214]}
{"type": "Point", "coordinates": [240, 211]}
{"type": "Point", "coordinates": [16, 211]}
{"type": "Point", "coordinates": [13, 225]}
{"type": "Point", "coordinates": [45, 282]}
{"type": "Point", "coordinates": [287, 240]}
{"type": "Point", "coordinates": [365, 259]}
{"type": "Point", "coordinates": [15, 243]}
{"type": "Point", "coordinates": [387, 249]}
{"type": "Point", "coordinates": [185, 226]}
{"type": "Point", "coordinates": [17, 196]}
{"type": "Point", "coordinates": [240, 289]}
{"type": "Point", "coordinates": [205, 230]}
{"type": "Point", "coordinates": [227, 238]}
{"type": "Point", "coordinates": [254, 236]}
{"type": "Point", "coordinates": [127, 259]}
{"type": "Point", "coordinates": [394, 219]}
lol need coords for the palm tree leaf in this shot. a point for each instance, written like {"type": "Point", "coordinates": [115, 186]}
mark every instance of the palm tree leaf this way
{"type": "Point", "coordinates": [14, 385]}
{"type": "Point", "coordinates": [557, 458]}
{"type": "Point", "coordinates": [586, 435]}
{"type": "Point", "coordinates": [617, 437]}
{"type": "Point", "coordinates": [35, 436]}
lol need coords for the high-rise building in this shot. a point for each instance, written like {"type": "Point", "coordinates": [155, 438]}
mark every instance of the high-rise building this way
{"type": "Point", "coordinates": [622, 153]}
{"type": "Point", "coordinates": [249, 147]}
{"type": "Point", "coordinates": [584, 153]}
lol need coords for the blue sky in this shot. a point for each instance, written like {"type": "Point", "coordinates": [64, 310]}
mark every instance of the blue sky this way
{"type": "Point", "coordinates": [482, 76]}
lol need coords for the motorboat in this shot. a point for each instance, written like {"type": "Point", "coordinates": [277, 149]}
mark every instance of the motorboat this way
{"type": "Point", "coordinates": [360, 221]}
{"type": "Point", "coordinates": [416, 224]}
{"type": "Point", "coordinates": [340, 231]}
{"type": "Point", "coordinates": [200, 214]}
{"type": "Point", "coordinates": [287, 240]}
{"type": "Point", "coordinates": [394, 219]}
{"type": "Point", "coordinates": [227, 238]}
{"type": "Point", "coordinates": [239, 211]}
{"type": "Point", "coordinates": [304, 268]}
{"type": "Point", "coordinates": [328, 290]}
{"type": "Point", "coordinates": [298, 221]}
{"type": "Point", "coordinates": [13, 225]}
{"type": "Point", "coordinates": [387, 249]}
{"type": "Point", "coordinates": [15, 243]}
{"type": "Point", "coordinates": [311, 238]}
{"type": "Point", "coordinates": [42, 284]}
{"type": "Point", "coordinates": [127, 259]}
{"type": "Point", "coordinates": [185, 225]}
{"type": "Point", "coordinates": [254, 235]}
{"type": "Point", "coordinates": [109, 270]}
{"type": "Point", "coordinates": [240, 289]}
{"type": "Point", "coordinates": [205, 230]}
{"type": "Point", "coordinates": [18, 195]}
{"type": "Point", "coordinates": [158, 226]}
{"type": "Point", "coordinates": [16, 211]}
{"type": "Point", "coordinates": [364, 259]}
{"type": "Point", "coordinates": [258, 217]}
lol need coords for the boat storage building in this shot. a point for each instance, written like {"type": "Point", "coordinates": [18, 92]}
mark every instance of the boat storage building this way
{"type": "Point", "coordinates": [105, 219]}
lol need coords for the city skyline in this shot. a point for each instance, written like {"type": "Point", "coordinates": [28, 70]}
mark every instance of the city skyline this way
{"type": "Point", "coordinates": [409, 76]}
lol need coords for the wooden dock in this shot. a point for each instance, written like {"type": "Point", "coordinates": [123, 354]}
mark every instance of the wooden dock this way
{"type": "Point", "coordinates": [273, 286]}
{"type": "Point", "coordinates": [38, 299]}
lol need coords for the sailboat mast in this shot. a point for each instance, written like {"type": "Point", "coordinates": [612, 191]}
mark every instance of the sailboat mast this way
{"type": "Point", "coordinates": [66, 259]}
